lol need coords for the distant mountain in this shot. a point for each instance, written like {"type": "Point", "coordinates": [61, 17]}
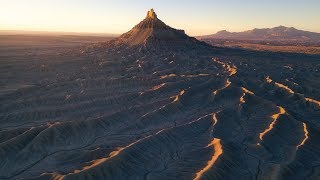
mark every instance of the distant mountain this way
{"type": "Point", "coordinates": [278, 33]}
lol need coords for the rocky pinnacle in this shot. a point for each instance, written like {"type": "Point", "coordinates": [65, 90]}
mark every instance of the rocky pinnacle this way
{"type": "Point", "coordinates": [151, 14]}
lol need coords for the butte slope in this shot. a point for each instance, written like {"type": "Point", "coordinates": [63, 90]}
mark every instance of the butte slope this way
{"type": "Point", "coordinates": [158, 104]}
{"type": "Point", "coordinates": [153, 33]}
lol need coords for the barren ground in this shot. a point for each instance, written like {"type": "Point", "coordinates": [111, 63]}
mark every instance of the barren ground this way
{"type": "Point", "coordinates": [103, 113]}
{"type": "Point", "coordinates": [286, 47]}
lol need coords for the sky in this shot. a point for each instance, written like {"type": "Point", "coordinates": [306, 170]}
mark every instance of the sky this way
{"type": "Point", "coordinates": [196, 17]}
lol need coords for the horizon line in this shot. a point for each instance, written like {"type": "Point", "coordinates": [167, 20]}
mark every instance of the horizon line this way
{"type": "Point", "coordinates": [54, 32]}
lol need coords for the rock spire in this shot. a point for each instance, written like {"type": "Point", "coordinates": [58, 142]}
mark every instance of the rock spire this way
{"type": "Point", "coordinates": [151, 14]}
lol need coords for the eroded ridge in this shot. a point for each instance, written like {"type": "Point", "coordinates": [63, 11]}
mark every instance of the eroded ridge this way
{"type": "Point", "coordinates": [306, 135]}
{"type": "Point", "coordinates": [227, 84]}
{"type": "Point", "coordinates": [313, 101]}
{"type": "Point", "coordinates": [217, 148]}
{"type": "Point", "coordinates": [98, 162]}
{"type": "Point", "coordinates": [269, 80]}
{"type": "Point", "coordinates": [284, 87]}
{"type": "Point", "coordinates": [245, 91]}
{"type": "Point", "coordinates": [158, 87]}
{"type": "Point", "coordinates": [290, 91]}
{"type": "Point", "coordinates": [274, 118]}
{"type": "Point", "coordinates": [216, 145]}
{"type": "Point", "coordinates": [232, 70]}
{"type": "Point", "coordinates": [178, 96]}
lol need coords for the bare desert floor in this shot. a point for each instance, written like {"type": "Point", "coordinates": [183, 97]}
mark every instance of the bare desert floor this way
{"type": "Point", "coordinates": [271, 46]}
{"type": "Point", "coordinates": [70, 109]}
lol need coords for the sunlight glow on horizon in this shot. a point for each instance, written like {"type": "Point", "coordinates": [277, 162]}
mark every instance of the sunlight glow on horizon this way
{"type": "Point", "coordinates": [119, 16]}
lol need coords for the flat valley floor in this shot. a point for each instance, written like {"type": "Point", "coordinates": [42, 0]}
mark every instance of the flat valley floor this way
{"type": "Point", "coordinates": [70, 110]}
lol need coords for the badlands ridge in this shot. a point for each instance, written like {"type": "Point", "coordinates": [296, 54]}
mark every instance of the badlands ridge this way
{"type": "Point", "coordinates": [158, 104]}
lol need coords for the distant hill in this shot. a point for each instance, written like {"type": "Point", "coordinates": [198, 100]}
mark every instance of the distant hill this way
{"type": "Point", "coordinates": [280, 33]}
{"type": "Point", "coordinates": [54, 33]}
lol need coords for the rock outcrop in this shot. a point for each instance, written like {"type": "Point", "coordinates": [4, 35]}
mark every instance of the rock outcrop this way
{"type": "Point", "coordinates": [152, 31]}
{"type": "Point", "coordinates": [151, 14]}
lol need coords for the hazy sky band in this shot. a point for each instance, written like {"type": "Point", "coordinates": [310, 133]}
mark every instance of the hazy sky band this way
{"type": "Point", "coordinates": [197, 17]}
